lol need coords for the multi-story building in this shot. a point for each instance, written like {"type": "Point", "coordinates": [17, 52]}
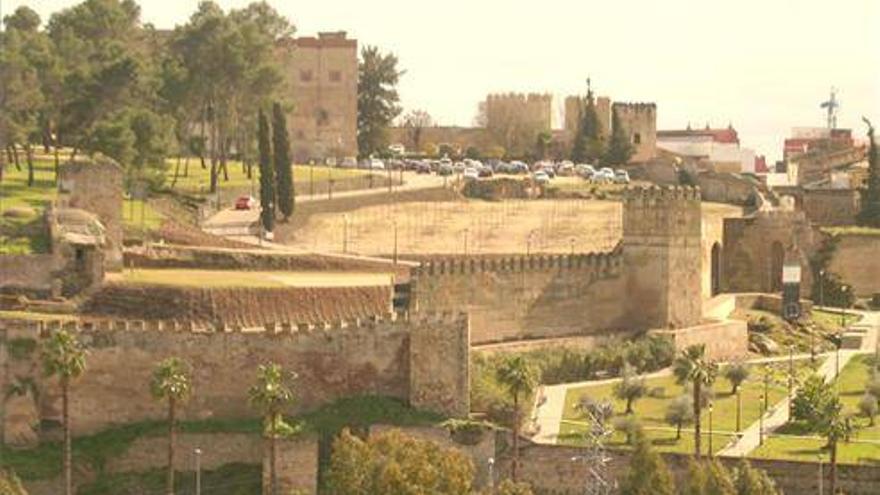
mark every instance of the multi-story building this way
{"type": "Point", "coordinates": [321, 74]}
{"type": "Point", "coordinates": [717, 149]}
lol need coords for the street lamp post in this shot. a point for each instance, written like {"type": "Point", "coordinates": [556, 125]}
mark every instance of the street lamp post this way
{"type": "Point", "coordinates": [761, 420]}
{"type": "Point", "coordinates": [198, 453]}
{"type": "Point", "coordinates": [790, 377]}
{"type": "Point", "coordinates": [766, 386]}
{"type": "Point", "coordinates": [711, 407]}
{"type": "Point", "coordinates": [345, 234]}
{"type": "Point", "coordinates": [738, 410]}
{"type": "Point", "coordinates": [843, 291]}
{"type": "Point", "coordinates": [821, 287]}
{"type": "Point", "coordinates": [491, 463]}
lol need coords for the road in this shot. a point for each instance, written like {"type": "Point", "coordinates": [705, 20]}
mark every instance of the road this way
{"type": "Point", "coordinates": [232, 222]}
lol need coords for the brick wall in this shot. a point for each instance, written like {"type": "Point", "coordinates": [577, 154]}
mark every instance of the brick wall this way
{"type": "Point", "coordinates": [723, 340]}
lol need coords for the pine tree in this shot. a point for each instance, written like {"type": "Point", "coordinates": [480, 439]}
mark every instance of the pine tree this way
{"type": "Point", "coordinates": [870, 214]}
{"type": "Point", "coordinates": [751, 481]}
{"type": "Point", "coordinates": [647, 473]}
{"type": "Point", "coordinates": [619, 150]}
{"type": "Point", "coordinates": [283, 170]}
{"type": "Point", "coordinates": [267, 177]}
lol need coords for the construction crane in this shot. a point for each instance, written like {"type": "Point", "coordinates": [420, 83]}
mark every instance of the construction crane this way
{"type": "Point", "coordinates": [831, 105]}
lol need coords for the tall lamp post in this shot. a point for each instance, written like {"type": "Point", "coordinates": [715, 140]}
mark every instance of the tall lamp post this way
{"type": "Point", "coordinates": [790, 377]}
{"type": "Point", "coordinates": [711, 407]}
{"type": "Point", "coordinates": [761, 420]}
{"type": "Point", "coordinates": [491, 464]}
{"type": "Point", "coordinates": [821, 287]}
{"type": "Point", "coordinates": [739, 406]}
{"type": "Point", "coordinates": [198, 453]}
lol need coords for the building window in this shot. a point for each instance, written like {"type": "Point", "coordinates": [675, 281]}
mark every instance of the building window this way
{"type": "Point", "coordinates": [637, 138]}
{"type": "Point", "coordinates": [335, 76]}
{"type": "Point", "coordinates": [305, 75]}
{"type": "Point", "coordinates": [322, 117]}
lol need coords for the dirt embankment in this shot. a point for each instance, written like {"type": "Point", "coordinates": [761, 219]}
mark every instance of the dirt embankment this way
{"type": "Point", "coordinates": [286, 232]}
{"type": "Point", "coordinates": [248, 307]}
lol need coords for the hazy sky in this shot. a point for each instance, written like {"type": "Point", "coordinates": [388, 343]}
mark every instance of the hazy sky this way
{"type": "Point", "coordinates": [763, 65]}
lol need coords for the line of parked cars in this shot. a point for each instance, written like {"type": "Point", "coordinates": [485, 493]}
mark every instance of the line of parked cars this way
{"type": "Point", "coordinates": [469, 169]}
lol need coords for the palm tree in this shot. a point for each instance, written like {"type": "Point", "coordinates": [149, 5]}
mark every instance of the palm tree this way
{"type": "Point", "coordinates": [269, 395]}
{"type": "Point", "coordinates": [693, 367]}
{"type": "Point", "coordinates": [171, 382]}
{"type": "Point", "coordinates": [520, 378]}
{"type": "Point", "coordinates": [65, 358]}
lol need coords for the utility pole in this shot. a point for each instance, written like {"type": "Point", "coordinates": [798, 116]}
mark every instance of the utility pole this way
{"type": "Point", "coordinates": [198, 453]}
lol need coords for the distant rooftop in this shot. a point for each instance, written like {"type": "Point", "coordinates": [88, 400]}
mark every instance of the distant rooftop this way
{"type": "Point", "coordinates": [726, 135]}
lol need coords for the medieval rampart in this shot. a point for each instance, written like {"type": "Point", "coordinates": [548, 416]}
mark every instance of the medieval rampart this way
{"type": "Point", "coordinates": [525, 297]}
{"type": "Point", "coordinates": [384, 356]}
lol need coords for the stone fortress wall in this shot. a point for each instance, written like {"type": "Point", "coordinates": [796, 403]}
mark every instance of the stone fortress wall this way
{"type": "Point", "coordinates": [422, 359]}
{"type": "Point", "coordinates": [654, 279]}
{"type": "Point", "coordinates": [639, 121]}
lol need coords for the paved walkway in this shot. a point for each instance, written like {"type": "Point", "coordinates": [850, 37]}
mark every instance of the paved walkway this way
{"type": "Point", "coordinates": [230, 221]}
{"type": "Point", "coordinates": [550, 406]}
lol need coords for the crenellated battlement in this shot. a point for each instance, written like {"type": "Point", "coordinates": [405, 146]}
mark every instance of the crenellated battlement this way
{"type": "Point", "coordinates": [635, 106]}
{"type": "Point", "coordinates": [654, 194]}
{"type": "Point", "coordinates": [514, 264]}
{"type": "Point", "coordinates": [399, 321]}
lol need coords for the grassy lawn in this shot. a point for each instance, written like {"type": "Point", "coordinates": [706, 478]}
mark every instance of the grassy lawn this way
{"type": "Point", "coordinates": [651, 410]}
{"type": "Point", "coordinates": [199, 179]}
{"type": "Point", "coordinates": [233, 278]}
{"type": "Point", "coordinates": [851, 230]}
{"type": "Point", "coordinates": [831, 319]}
{"type": "Point", "coordinates": [852, 386]}
{"type": "Point", "coordinates": [25, 233]}
{"type": "Point", "coordinates": [137, 214]}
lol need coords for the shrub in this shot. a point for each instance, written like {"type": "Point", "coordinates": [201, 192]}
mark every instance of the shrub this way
{"type": "Point", "coordinates": [868, 406]}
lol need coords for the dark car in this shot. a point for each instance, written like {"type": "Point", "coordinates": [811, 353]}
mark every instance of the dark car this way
{"type": "Point", "coordinates": [423, 168]}
{"type": "Point", "coordinates": [485, 172]}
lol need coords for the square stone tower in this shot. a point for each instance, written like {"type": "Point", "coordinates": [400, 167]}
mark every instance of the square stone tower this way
{"type": "Point", "coordinates": [662, 232]}
{"type": "Point", "coordinates": [639, 121]}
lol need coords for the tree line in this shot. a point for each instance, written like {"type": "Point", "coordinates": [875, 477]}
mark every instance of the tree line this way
{"type": "Point", "coordinates": [96, 79]}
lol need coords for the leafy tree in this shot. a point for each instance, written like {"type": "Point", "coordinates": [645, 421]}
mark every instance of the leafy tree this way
{"type": "Point", "coordinates": [679, 413]}
{"type": "Point", "coordinates": [630, 388]}
{"type": "Point", "coordinates": [10, 484]}
{"type": "Point", "coordinates": [171, 383]}
{"type": "Point", "coordinates": [596, 411]}
{"type": "Point", "coordinates": [472, 152]}
{"type": "Point", "coordinates": [283, 165]}
{"type": "Point", "coordinates": [629, 425]}
{"type": "Point", "coordinates": [696, 481]}
{"type": "Point", "coordinates": [542, 144]}
{"type": "Point", "coordinates": [870, 214]}
{"type": "Point", "coordinates": [718, 481]}
{"type": "Point", "coordinates": [647, 474]}
{"type": "Point", "coordinates": [868, 407]}
{"type": "Point", "coordinates": [270, 394]}
{"type": "Point", "coordinates": [65, 358]}
{"type": "Point", "coordinates": [508, 487]}
{"type": "Point", "coordinates": [392, 462]}
{"type": "Point", "coordinates": [267, 175]}
{"type": "Point", "coordinates": [377, 99]}
{"type": "Point", "coordinates": [736, 373]}
{"type": "Point", "coordinates": [519, 377]}
{"type": "Point", "coordinates": [620, 149]}
{"type": "Point", "coordinates": [817, 404]}
{"type": "Point", "coordinates": [587, 144]}
{"type": "Point", "coordinates": [693, 367]}
{"type": "Point", "coordinates": [751, 481]}
{"type": "Point", "coordinates": [415, 121]}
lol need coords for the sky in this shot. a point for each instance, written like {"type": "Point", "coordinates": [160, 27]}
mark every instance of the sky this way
{"type": "Point", "coordinates": [763, 66]}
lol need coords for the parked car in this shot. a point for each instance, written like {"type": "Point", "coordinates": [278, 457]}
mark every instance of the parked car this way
{"type": "Point", "coordinates": [445, 170]}
{"type": "Point", "coordinates": [376, 164]}
{"type": "Point", "coordinates": [459, 167]}
{"type": "Point", "coordinates": [245, 202]}
{"type": "Point", "coordinates": [349, 162]}
{"type": "Point", "coordinates": [518, 167]}
{"type": "Point", "coordinates": [397, 149]}
{"type": "Point", "coordinates": [423, 168]}
{"type": "Point", "coordinates": [586, 171]}
{"type": "Point", "coordinates": [485, 172]}
{"type": "Point", "coordinates": [621, 177]}
{"type": "Point", "coordinates": [604, 175]}
{"type": "Point", "coordinates": [471, 173]}
{"type": "Point", "coordinates": [541, 177]}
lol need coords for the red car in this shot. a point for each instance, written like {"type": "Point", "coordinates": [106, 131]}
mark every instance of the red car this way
{"type": "Point", "coordinates": [245, 203]}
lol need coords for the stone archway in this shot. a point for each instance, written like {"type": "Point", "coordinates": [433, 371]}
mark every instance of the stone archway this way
{"type": "Point", "coordinates": [716, 269]}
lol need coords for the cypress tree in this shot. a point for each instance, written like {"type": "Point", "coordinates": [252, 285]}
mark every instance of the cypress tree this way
{"type": "Point", "coordinates": [870, 214]}
{"type": "Point", "coordinates": [587, 144]}
{"type": "Point", "coordinates": [619, 148]}
{"type": "Point", "coordinates": [267, 176]}
{"type": "Point", "coordinates": [283, 170]}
